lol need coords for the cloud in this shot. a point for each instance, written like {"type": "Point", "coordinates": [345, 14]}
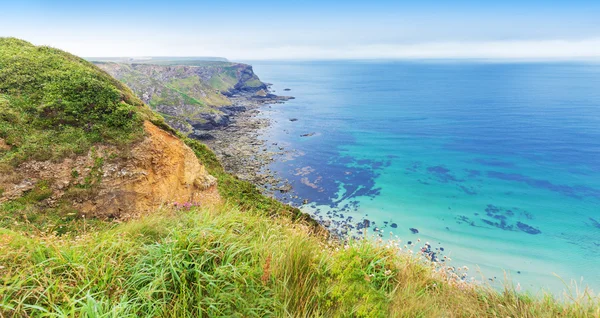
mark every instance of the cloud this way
{"type": "Point", "coordinates": [246, 46]}
{"type": "Point", "coordinates": [530, 49]}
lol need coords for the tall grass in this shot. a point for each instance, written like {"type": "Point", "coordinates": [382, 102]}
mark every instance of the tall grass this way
{"type": "Point", "coordinates": [223, 262]}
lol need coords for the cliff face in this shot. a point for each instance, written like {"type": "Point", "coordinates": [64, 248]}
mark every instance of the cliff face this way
{"type": "Point", "coordinates": [110, 183]}
{"type": "Point", "coordinates": [188, 95]}
{"type": "Point", "coordinates": [74, 140]}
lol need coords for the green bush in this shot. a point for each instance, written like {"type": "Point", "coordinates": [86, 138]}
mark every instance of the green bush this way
{"type": "Point", "coordinates": [54, 104]}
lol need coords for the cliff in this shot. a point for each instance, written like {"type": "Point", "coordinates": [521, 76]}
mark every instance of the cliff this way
{"type": "Point", "coordinates": [188, 96]}
{"type": "Point", "coordinates": [76, 142]}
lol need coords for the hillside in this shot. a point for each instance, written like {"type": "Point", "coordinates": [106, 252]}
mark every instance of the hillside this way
{"type": "Point", "coordinates": [192, 96]}
{"type": "Point", "coordinates": [108, 212]}
{"type": "Point", "coordinates": [78, 143]}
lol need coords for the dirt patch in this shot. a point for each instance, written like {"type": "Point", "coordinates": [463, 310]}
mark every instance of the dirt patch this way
{"type": "Point", "coordinates": [112, 183]}
{"type": "Point", "coordinates": [4, 145]}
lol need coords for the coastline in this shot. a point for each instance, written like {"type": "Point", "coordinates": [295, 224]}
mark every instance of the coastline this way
{"type": "Point", "coordinates": [238, 145]}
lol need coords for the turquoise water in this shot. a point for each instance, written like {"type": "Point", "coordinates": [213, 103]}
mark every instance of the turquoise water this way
{"type": "Point", "coordinates": [496, 163]}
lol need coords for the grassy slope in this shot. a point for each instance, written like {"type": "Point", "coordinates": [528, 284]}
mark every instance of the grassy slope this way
{"type": "Point", "coordinates": [251, 257]}
{"type": "Point", "coordinates": [194, 87]}
{"type": "Point", "coordinates": [228, 262]}
{"type": "Point", "coordinates": [54, 104]}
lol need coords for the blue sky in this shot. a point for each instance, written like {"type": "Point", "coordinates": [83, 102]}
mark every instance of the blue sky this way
{"type": "Point", "coordinates": [311, 29]}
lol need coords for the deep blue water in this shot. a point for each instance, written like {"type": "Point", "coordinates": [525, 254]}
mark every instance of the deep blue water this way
{"type": "Point", "coordinates": [497, 163]}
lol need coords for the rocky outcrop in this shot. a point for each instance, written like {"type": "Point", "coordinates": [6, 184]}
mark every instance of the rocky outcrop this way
{"type": "Point", "coordinates": [111, 183]}
{"type": "Point", "coordinates": [190, 97]}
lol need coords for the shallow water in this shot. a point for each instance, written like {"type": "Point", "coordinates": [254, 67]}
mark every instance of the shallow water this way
{"type": "Point", "coordinates": [497, 163]}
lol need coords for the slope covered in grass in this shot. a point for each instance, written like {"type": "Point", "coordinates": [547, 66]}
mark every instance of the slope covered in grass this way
{"type": "Point", "coordinates": [54, 104]}
{"type": "Point", "coordinates": [230, 263]}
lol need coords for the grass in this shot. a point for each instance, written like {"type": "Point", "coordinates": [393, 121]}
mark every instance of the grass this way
{"type": "Point", "coordinates": [54, 105]}
{"type": "Point", "coordinates": [253, 83]}
{"type": "Point", "coordinates": [236, 263]}
{"type": "Point", "coordinates": [193, 86]}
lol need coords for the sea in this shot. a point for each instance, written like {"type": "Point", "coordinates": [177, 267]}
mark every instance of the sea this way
{"type": "Point", "coordinates": [495, 164]}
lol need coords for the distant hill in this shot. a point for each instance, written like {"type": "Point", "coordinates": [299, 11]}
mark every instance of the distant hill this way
{"type": "Point", "coordinates": [157, 59]}
{"type": "Point", "coordinates": [188, 93]}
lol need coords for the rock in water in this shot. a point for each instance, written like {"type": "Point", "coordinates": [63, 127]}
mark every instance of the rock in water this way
{"type": "Point", "coordinates": [528, 228]}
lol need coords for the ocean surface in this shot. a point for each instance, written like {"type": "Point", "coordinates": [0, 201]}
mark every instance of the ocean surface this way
{"type": "Point", "coordinates": [496, 163]}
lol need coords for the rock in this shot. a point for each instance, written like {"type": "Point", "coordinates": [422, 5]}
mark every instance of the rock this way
{"type": "Point", "coordinates": [293, 119]}
{"type": "Point", "coordinates": [413, 230]}
{"type": "Point", "coordinates": [394, 225]}
{"type": "Point", "coordinates": [203, 136]}
{"type": "Point", "coordinates": [528, 228]}
{"type": "Point", "coordinates": [285, 188]}
{"type": "Point", "coordinates": [261, 93]}
{"type": "Point", "coordinates": [287, 89]}
{"type": "Point", "coordinates": [308, 135]}
{"type": "Point", "coordinates": [305, 201]}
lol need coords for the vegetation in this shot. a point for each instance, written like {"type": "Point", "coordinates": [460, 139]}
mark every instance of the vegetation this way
{"type": "Point", "coordinates": [195, 88]}
{"type": "Point", "coordinates": [54, 104]}
{"type": "Point", "coordinates": [228, 262]}
{"type": "Point", "coordinates": [249, 257]}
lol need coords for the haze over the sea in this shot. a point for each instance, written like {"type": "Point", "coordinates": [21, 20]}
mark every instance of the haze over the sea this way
{"type": "Point", "coordinates": [268, 29]}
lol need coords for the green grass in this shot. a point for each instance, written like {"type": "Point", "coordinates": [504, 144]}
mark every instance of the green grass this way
{"type": "Point", "coordinates": [54, 104]}
{"type": "Point", "coordinates": [229, 262]}
{"type": "Point", "coordinates": [193, 86]}
{"type": "Point", "coordinates": [253, 83]}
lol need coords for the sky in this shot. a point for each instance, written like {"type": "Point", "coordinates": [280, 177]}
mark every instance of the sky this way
{"type": "Point", "coordinates": [311, 29]}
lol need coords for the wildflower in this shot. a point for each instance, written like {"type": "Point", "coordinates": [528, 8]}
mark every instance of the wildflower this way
{"type": "Point", "coordinates": [388, 272]}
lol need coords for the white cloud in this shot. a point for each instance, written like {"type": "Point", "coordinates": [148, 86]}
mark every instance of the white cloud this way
{"type": "Point", "coordinates": [246, 49]}
{"type": "Point", "coordinates": [547, 49]}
